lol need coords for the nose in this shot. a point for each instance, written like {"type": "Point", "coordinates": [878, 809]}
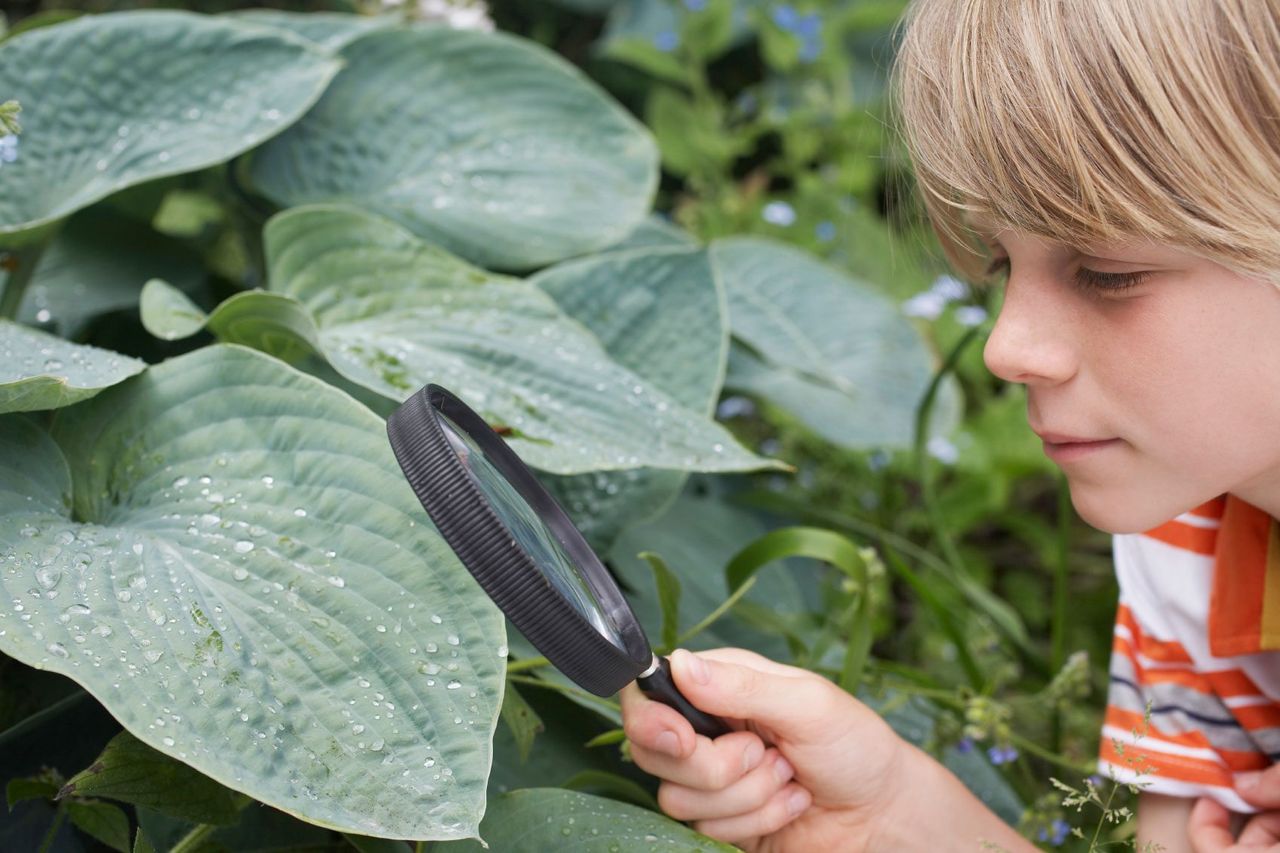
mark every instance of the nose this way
{"type": "Point", "coordinates": [1032, 341]}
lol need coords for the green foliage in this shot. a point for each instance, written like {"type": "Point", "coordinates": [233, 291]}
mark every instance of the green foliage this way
{"type": "Point", "coordinates": [234, 243]}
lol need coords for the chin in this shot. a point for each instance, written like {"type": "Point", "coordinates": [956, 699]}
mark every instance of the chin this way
{"type": "Point", "coordinates": [1117, 513]}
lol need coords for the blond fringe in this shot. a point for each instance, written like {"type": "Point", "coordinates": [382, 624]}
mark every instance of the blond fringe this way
{"type": "Point", "coordinates": [1096, 120]}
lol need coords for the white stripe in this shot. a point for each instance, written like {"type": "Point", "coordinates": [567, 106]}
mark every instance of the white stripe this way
{"type": "Point", "coordinates": [1197, 521]}
{"type": "Point", "coordinates": [1247, 701]}
{"type": "Point", "coordinates": [1175, 787]}
{"type": "Point", "coordinates": [1151, 743]}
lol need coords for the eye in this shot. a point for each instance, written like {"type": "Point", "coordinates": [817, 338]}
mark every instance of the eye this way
{"type": "Point", "coordinates": [998, 265]}
{"type": "Point", "coordinates": [1109, 282]}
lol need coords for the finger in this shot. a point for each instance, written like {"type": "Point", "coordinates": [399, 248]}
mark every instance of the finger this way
{"type": "Point", "coordinates": [1262, 829]}
{"type": "Point", "coordinates": [1260, 788]}
{"type": "Point", "coordinates": [802, 705]}
{"type": "Point", "coordinates": [655, 727]}
{"type": "Point", "coordinates": [782, 808]}
{"type": "Point", "coordinates": [748, 794]}
{"type": "Point", "coordinates": [1209, 827]}
{"type": "Point", "coordinates": [713, 764]}
{"type": "Point", "coordinates": [746, 657]}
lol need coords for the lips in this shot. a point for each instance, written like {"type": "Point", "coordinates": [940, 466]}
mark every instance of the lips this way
{"type": "Point", "coordinates": [1063, 438]}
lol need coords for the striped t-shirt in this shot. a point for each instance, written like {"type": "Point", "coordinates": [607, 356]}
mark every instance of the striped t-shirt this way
{"type": "Point", "coordinates": [1197, 638]}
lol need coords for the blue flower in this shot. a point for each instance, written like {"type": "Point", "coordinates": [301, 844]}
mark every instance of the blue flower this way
{"type": "Point", "coordinates": [1060, 829]}
{"type": "Point", "coordinates": [666, 41]}
{"type": "Point", "coordinates": [971, 315]}
{"type": "Point", "coordinates": [949, 288]}
{"type": "Point", "coordinates": [695, 5]}
{"type": "Point", "coordinates": [779, 213]}
{"type": "Point", "coordinates": [965, 744]}
{"type": "Point", "coordinates": [785, 16]}
{"type": "Point", "coordinates": [946, 453]}
{"type": "Point", "coordinates": [1002, 754]}
{"type": "Point", "coordinates": [926, 304]}
{"type": "Point", "coordinates": [8, 148]}
{"type": "Point", "coordinates": [826, 230]}
{"type": "Point", "coordinates": [733, 407]}
{"type": "Point", "coordinates": [809, 25]}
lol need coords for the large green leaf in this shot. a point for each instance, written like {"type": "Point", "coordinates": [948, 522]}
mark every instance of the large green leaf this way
{"type": "Point", "coordinates": [838, 355]}
{"type": "Point", "coordinates": [84, 273]}
{"type": "Point", "coordinates": [41, 371]}
{"type": "Point", "coordinates": [330, 30]}
{"type": "Point", "coordinates": [109, 101]}
{"type": "Point", "coordinates": [486, 144]}
{"type": "Point", "coordinates": [535, 820]}
{"type": "Point", "coordinates": [392, 313]}
{"type": "Point", "coordinates": [225, 554]}
{"type": "Point", "coordinates": [659, 312]}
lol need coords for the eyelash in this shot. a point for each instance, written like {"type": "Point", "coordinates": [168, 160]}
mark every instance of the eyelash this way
{"type": "Point", "coordinates": [1101, 282]}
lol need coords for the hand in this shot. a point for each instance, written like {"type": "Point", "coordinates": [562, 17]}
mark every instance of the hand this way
{"type": "Point", "coordinates": [829, 766]}
{"type": "Point", "coordinates": [1209, 826]}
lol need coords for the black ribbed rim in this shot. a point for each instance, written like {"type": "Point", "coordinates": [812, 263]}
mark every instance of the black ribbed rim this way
{"type": "Point", "coordinates": [457, 505]}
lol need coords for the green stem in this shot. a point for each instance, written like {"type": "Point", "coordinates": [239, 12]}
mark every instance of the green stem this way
{"type": "Point", "coordinates": [192, 839]}
{"type": "Point", "coordinates": [58, 817]}
{"type": "Point", "coordinates": [568, 691]}
{"type": "Point", "coordinates": [1058, 626]}
{"type": "Point", "coordinates": [526, 664]}
{"type": "Point", "coordinates": [711, 617]}
{"type": "Point", "coordinates": [24, 262]}
{"type": "Point", "coordinates": [940, 532]}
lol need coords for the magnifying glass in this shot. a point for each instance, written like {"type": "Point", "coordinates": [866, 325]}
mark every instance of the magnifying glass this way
{"type": "Point", "coordinates": [525, 552]}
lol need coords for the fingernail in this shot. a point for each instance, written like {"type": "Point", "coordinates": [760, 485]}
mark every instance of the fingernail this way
{"type": "Point", "coordinates": [751, 755]}
{"type": "Point", "coordinates": [782, 769]}
{"type": "Point", "coordinates": [1247, 781]}
{"type": "Point", "coordinates": [697, 669]}
{"type": "Point", "coordinates": [798, 802]}
{"type": "Point", "coordinates": [668, 742]}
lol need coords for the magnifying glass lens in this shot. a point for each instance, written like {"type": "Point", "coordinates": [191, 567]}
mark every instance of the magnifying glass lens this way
{"type": "Point", "coordinates": [529, 531]}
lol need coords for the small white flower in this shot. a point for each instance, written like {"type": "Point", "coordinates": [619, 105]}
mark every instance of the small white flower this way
{"type": "Point", "coordinates": [8, 148]}
{"type": "Point", "coordinates": [949, 288]}
{"type": "Point", "coordinates": [943, 450]}
{"type": "Point", "coordinates": [971, 315]}
{"type": "Point", "coordinates": [925, 304]}
{"type": "Point", "coordinates": [456, 14]}
{"type": "Point", "coordinates": [779, 213]}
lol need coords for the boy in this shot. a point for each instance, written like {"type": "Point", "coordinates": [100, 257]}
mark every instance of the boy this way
{"type": "Point", "coordinates": [1120, 160]}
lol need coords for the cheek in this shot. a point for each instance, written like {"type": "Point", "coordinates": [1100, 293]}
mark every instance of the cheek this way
{"type": "Point", "coordinates": [1194, 390]}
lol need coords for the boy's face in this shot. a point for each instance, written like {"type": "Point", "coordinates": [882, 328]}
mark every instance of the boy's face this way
{"type": "Point", "coordinates": [1180, 373]}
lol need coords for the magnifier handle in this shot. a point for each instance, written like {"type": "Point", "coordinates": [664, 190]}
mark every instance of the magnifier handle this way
{"type": "Point", "coordinates": [661, 687]}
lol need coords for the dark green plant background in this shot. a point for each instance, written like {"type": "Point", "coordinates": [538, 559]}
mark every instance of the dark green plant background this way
{"type": "Point", "coordinates": [922, 553]}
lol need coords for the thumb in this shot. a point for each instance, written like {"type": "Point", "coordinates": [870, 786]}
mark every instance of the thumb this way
{"type": "Point", "coordinates": [799, 707]}
{"type": "Point", "coordinates": [1260, 788]}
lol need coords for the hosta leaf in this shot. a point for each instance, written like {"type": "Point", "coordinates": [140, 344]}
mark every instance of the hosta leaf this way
{"type": "Point", "coordinates": [653, 232]}
{"type": "Point", "coordinates": [84, 273]}
{"type": "Point", "coordinates": [42, 371]}
{"type": "Point", "coordinates": [486, 144]}
{"type": "Point", "coordinates": [661, 313]}
{"type": "Point", "coordinates": [109, 101]}
{"type": "Point", "coordinates": [225, 554]}
{"type": "Point", "coordinates": [535, 820]}
{"type": "Point", "coordinates": [832, 351]}
{"type": "Point", "coordinates": [168, 313]}
{"type": "Point", "coordinates": [392, 313]}
{"type": "Point", "coordinates": [330, 30]}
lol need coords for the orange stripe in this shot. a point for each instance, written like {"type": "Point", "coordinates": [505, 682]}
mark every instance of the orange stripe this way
{"type": "Point", "coordinates": [1239, 580]}
{"type": "Point", "coordinates": [1237, 760]}
{"type": "Point", "coordinates": [1254, 717]}
{"type": "Point", "coordinates": [1270, 627]}
{"type": "Point", "coordinates": [1188, 537]}
{"type": "Point", "coordinates": [1210, 509]}
{"type": "Point", "coordinates": [1233, 682]}
{"type": "Point", "coordinates": [1165, 651]}
{"type": "Point", "coordinates": [1162, 765]}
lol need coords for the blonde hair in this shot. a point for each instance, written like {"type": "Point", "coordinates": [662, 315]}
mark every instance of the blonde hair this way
{"type": "Point", "coordinates": [1096, 120]}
